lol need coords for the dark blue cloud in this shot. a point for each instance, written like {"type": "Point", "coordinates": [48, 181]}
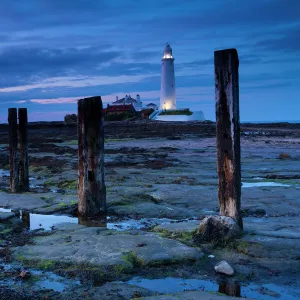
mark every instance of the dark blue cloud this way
{"type": "Point", "coordinates": [28, 61]}
{"type": "Point", "coordinates": [286, 42]}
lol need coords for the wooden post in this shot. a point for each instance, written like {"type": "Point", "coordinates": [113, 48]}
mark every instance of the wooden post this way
{"type": "Point", "coordinates": [228, 133]}
{"type": "Point", "coordinates": [13, 149]}
{"type": "Point", "coordinates": [91, 185]}
{"type": "Point", "coordinates": [23, 137]}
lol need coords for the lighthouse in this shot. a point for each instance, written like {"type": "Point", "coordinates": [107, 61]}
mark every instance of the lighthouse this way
{"type": "Point", "coordinates": [167, 89]}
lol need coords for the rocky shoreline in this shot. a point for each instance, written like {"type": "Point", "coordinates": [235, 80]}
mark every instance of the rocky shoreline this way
{"type": "Point", "coordinates": [149, 128]}
{"type": "Point", "coordinates": [161, 182]}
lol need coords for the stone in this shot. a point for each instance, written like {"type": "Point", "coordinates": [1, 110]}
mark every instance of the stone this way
{"type": "Point", "coordinates": [25, 274]}
{"type": "Point", "coordinates": [284, 156]}
{"type": "Point", "coordinates": [219, 230]}
{"type": "Point", "coordinates": [223, 267]}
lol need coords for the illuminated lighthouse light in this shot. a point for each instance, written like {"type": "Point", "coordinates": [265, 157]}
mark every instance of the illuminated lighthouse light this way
{"type": "Point", "coordinates": [167, 55]}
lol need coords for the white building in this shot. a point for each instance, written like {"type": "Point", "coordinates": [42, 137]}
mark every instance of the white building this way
{"type": "Point", "coordinates": [167, 89]}
{"type": "Point", "coordinates": [128, 100]}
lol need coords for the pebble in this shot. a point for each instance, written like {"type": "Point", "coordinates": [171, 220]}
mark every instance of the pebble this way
{"type": "Point", "coordinates": [211, 256]}
{"type": "Point", "coordinates": [25, 274]}
{"type": "Point", "coordinates": [223, 267]}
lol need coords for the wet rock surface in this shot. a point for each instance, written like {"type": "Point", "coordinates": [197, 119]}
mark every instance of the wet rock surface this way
{"type": "Point", "coordinates": [151, 173]}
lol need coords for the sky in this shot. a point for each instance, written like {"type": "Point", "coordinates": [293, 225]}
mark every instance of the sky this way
{"type": "Point", "coordinates": [53, 53]}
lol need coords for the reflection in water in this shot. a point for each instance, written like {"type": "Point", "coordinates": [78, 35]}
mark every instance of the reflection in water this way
{"type": "Point", "coordinates": [172, 284]}
{"type": "Point", "coordinates": [100, 221]}
{"type": "Point", "coordinates": [17, 212]}
{"type": "Point", "coordinates": [47, 222]}
{"type": "Point", "coordinates": [252, 291]}
{"type": "Point", "coordinates": [25, 216]}
{"type": "Point", "coordinates": [33, 221]}
{"type": "Point", "coordinates": [230, 289]}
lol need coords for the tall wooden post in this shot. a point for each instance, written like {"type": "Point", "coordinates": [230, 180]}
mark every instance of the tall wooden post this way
{"type": "Point", "coordinates": [23, 137]}
{"type": "Point", "coordinates": [13, 149]}
{"type": "Point", "coordinates": [91, 185]}
{"type": "Point", "coordinates": [228, 133]}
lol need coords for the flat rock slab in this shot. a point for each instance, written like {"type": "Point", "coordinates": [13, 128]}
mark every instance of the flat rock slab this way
{"type": "Point", "coordinates": [178, 227]}
{"type": "Point", "coordinates": [282, 227]}
{"type": "Point", "coordinates": [192, 295]}
{"type": "Point", "coordinates": [4, 216]}
{"type": "Point", "coordinates": [36, 202]}
{"type": "Point", "coordinates": [102, 247]}
{"type": "Point", "coordinates": [110, 291]}
{"type": "Point", "coordinates": [151, 210]}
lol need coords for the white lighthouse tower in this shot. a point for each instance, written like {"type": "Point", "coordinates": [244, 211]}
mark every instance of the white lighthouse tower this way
{"type": "Point", "coordinates": [167, 89]}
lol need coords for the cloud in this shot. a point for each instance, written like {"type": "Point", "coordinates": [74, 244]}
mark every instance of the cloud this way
{"type": "Point", "coordinates": [61, 100]}
{"type": "Point", "coordinates": [76, 82]}
{"type": "Point", "coordinates": [285, 42]}
{"type": "Point", "coordinates": [25, 63]}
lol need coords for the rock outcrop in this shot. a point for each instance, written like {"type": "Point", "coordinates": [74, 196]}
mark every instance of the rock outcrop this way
{"type": "Point", "coordinates": [219, 230]}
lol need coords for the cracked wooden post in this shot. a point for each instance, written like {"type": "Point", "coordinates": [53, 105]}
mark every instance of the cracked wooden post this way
{"type": "Point", "coordinates": [91, 185]}
{"type": "Point", "coordinates": [23, 137]}
{"type": "Point", "coordinates": [228, 133]}
{"type": "Point", "coordinates": [13, 149]}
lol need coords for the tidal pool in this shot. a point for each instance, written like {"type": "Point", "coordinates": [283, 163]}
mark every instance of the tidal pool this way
{"type": "Point", "coordinates": [4, 173]}
{"type": "Point", "coordinates": [38, 280]}
{"type": "Point", "coordinates": [254, 291]}
{"type": "Point", "coordinates": [262, 184]}
{"type": "Point", "coordinates": [34, 221]}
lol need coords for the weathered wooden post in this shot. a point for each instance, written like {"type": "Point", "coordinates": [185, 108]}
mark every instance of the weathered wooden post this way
{"type": "Point", "coordinates": [91, 185]}
{"type": "Point", "coordinates": [23, 138]}
{"type": "Point", "coordinates": [228, 133]}
{"type": "Point", "coordinates": [13, 149]}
